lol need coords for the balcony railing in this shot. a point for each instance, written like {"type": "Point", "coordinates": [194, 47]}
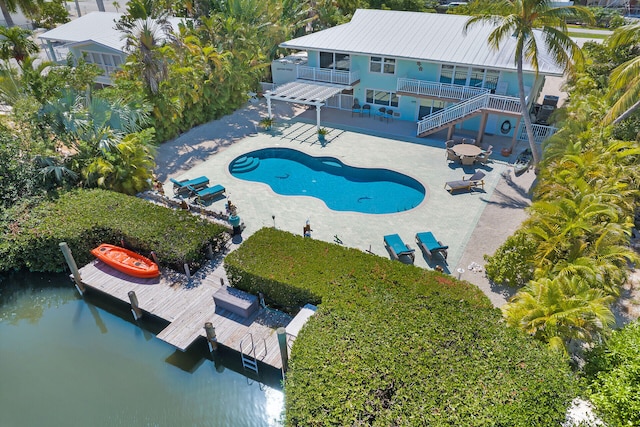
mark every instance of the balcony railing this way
{"type": "Point", "coordinates": [438, 90]}
{"type": "Point", "coordinates": [540, 132]}
{"type": "Point", "coordinates": [326, 75]}
{"type": "Point", "coordinates": [507, 104]}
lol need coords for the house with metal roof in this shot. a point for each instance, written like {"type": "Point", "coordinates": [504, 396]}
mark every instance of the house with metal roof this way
{"type": "Point", "coordinates": [422, 67]}
{"type": "Point", "coordinates": [93, 37]}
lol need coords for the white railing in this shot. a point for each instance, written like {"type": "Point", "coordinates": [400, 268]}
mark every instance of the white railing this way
{"type": "Point", "coordinates": [327, 75]}
{"type": "Point", "coordinates": [540, 132]}
{"type": "Point", "coordinates": [504, 103]}
{"type": "Point", "coordinates": [462, 109]}
{"type": "Point", "coordinates": [340, 102]}
{"type": "Point", "coordinates": [452, 113]}
{"type": "Point", "coordinates": [438, 90]}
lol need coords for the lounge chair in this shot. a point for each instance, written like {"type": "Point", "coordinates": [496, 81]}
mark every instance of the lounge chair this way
{"type": "Point", "coordinates": [430, 246]}
{"type": "Point", "coordinates": [397, 248]}
{"type": "Point", "coordinates": [209, 193]}
{"type": "Point", "coordinates": [475, 180]}
{"type": "Point", "coordinates": [182, 187]}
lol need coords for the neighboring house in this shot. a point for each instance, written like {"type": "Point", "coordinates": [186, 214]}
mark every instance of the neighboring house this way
{"type": "Point", "coordinates": [93, 37]}
{"type": "Point", "coordinates": [422, 66]}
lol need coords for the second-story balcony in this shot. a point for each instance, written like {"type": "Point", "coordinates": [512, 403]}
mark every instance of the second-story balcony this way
{"type": "Point", "coordinates": [437, 90]}
{"type": "Point", "coordinates": [326, 75]}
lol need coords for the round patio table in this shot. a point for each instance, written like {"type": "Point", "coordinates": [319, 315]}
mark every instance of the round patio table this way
{"type": "Point", "coordinates": [468, 150]}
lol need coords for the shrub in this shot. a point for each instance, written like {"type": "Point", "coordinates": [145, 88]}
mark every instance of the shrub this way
{"type": "Point", "coordinates": [393, 344]}
{"type": "Point", "coordinates": [512, 264]}
{"type": "Point", "coordinates": [86, 218]}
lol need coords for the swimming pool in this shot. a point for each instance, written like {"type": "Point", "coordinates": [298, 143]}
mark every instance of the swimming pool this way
{"type": "Point", "coordinates": [342, 187]}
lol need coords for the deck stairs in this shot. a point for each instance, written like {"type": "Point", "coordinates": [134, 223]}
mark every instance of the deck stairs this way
{"type": "Point", "coordinates": [248, 353]}
{"type": "Point", "coordinates": [478, 104]}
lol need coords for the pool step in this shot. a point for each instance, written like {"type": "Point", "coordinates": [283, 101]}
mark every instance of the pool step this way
{"type": "Point", "coordinates": [245, 164]}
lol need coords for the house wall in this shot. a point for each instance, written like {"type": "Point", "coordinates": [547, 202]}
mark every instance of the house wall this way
{"type": "Point", "coordinates": [107, 59]}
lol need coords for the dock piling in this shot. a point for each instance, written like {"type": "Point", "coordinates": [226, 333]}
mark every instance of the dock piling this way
{"type": "Point", "coordinates": [155, 257]}
{"type": "Point", "coordinates": [135, 307]}
{"type": "Point", "coordinates": [187, 271]}
{"type": "Point", "coordinates": [284, 353]}
{"type": "Point", "coordinates": [68, 256]}
{"type": "Point", "coordinates": [212, 341]}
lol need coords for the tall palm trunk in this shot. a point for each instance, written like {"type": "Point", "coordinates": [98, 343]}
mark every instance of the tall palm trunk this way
{"type": "Point", "coordinates": [100, 4]}
{"type": "Point", "coordinates": [6, 14]}
{"type": "Point", "coordinates": [525, 113]}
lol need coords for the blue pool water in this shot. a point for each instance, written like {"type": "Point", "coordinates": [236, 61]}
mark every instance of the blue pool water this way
{"type": "Point", "coordinates": [341, 187]}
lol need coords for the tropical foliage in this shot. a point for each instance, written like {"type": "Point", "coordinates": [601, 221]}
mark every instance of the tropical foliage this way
{"type": "Point", "coordinates": [520, 19]}
{"type": "Point", "coordinates": [613, 370]}
{"type": "Point", "coordinates": [393, 344]}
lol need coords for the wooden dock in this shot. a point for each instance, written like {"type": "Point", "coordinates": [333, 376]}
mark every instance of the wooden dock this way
{"type": "Point", "coordinates": [188, 305]}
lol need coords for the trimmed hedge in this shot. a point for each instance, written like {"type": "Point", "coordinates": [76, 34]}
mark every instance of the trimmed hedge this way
{"type": "Point", "coordinates": [86, 218]}
{"type": "Point", "coordinates": [393, 344]}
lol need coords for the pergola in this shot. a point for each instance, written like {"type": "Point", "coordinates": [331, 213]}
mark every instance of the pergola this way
{"type": "Point", "coordinates": [304, 92]}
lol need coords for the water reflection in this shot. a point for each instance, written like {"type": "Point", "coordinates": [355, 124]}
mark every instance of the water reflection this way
{"type": "Point", "coordinates": [68, 362]}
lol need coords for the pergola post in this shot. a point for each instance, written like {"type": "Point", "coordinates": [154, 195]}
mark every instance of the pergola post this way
{"type": "Point", "coordinates": [318, 116]}
{"type": "Point", "coordinates": [269, 105]}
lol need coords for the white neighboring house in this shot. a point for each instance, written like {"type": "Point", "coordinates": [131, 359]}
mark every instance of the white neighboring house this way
{"type": "Point", "coordinates": [93, 37]}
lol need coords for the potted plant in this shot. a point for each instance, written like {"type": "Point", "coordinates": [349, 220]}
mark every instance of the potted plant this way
{"type": "Point", "coordinates": [322, 132]}
{"type": "Point", "coordinates": [267, 123]}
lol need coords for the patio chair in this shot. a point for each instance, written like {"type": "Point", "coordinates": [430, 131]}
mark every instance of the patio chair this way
{"type": "Point", "coordinates": [356, 109]}
{"type": "Point", "coordinates": [381, 113]}
{"type": "Point", "coordinates": [366, 108]}
{"type": "Point", "coordinates": [397, 247]}
{"type": "Point", "coordinates": [468, 160]}
{"type": "Point", "coordinates": [489, 148]}
{"type": "Point", "coordinates": [484, 157]}
{"type": "Point", "coordinates": [430, 246]}
{"type": "Point", "coordinates": [450, 143]}
{"type": "Point", "coordinates": [474, 181]}
{"type": "Point", "coordinates": [209, 193]}
{"type": "Point", "coordinates": [181, 188]}
{"type": "Point", "coordinates": [389, 113]}
{"type": "Point", "coordinates": [452, 156]}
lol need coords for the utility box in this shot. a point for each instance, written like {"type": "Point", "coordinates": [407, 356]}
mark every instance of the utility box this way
{"type": "Point", "coordinates": [284, 70]}
{"type": "Point", "coordinates": [550, 100]}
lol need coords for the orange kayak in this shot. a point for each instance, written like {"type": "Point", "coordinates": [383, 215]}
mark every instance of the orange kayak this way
{"type": "Point", "coordinates": [126, 261]}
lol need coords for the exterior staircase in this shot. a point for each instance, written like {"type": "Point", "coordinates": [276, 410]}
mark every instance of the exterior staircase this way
{"type": "Point", "coordinates": [482, 103]}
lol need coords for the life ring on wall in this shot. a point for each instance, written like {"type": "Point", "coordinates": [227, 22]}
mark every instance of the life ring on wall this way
{"type": "Point", "coordinates": [505, 128]}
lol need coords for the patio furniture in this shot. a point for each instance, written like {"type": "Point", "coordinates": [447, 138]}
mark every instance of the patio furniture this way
{"type": "Point", "coordinates": [366, 108]}
{"type": "Point", "coordinates": [209, 193]}
{"type": "Point", "coordinates": [474, 181]}
{"type": "Point", "coordinates": [381, 113]}
{"type": "Point", "coordinates": [356, 109]}
{"type": "Point", "coordinates": [430, 246]}
{"type": "Point", "coordinates": [181, 188]}
{"type": "Point", "coordinates": [468, 160]}
{"type": "Point", "coordinates": [484, 157]}
{"type": "Point", "coordinates": [450, 143]}
{"type": "Point", "coordinates": [397, 247]}
{"type": "Point", "coordinates": [452, 156]}
{"type": "Point", "coordinates": [466, 150]}
{"type": "Point", "coordinates": [389, 114]}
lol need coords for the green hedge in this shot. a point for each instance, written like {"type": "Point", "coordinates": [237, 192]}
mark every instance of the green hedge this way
{"type": "Point", "coordinates": [84, 219]}
{"type": "Point", "coordinates": [393, 344]}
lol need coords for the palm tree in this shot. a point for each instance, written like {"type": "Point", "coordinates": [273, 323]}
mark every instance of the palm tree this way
{"type": "Point", "coordinates": [625, 78]}
{"type": "Point", "coordinates": [519, 19]}
{"type": "Point", "coordinates": [16, 43]}
{"type": "Point", "coordinates": [556, 311]}
{"type": "Point", "coordinates": [9, 6]}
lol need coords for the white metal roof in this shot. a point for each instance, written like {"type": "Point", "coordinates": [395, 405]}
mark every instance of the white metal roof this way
{"type": "Point", "coordinates": [96, 27]}
{"type": "Point", "coordinates": [304, 92]}
{"type": "Point", "coordinates": [420, 37]}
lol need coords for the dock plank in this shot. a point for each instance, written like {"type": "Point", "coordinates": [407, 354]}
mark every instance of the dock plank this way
{"type": "Point", "coordinates": [187, 305]}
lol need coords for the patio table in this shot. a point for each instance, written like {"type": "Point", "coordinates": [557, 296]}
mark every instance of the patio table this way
{"type": "Point", "coordinates": [468, 150]}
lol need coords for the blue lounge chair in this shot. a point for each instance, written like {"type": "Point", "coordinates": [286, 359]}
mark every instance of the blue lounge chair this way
{"type": "Point", "coordinates": [474, 181]}
{"type": "Point", "coordinates": [397, 248]}
{"type": "Point", "coordinates": [209, 193]}
{"type": "Point", "coordinates": [430, 245]}
{"type": "Point", "coordinates": [181, 188]}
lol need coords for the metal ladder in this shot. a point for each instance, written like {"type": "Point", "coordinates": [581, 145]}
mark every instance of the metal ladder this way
{"type": "Point", "coordinates": [248, 353]}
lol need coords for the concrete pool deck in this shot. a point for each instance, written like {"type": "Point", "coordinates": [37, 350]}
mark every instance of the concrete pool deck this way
{"type": "Point", "coordinates": [471, 224]}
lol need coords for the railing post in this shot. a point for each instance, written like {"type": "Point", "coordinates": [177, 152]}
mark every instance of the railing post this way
{"type": "Point", "coordinates": [212, 341]}
{"type": "Point", "coordinates": [135, 307]}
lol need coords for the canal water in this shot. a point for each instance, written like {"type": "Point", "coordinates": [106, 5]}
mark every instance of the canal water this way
{"type": "Point", "coordinates": [72, 361]}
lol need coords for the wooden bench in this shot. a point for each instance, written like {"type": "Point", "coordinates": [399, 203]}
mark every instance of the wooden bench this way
{"type": "Point", "coordinates": [236, 301]}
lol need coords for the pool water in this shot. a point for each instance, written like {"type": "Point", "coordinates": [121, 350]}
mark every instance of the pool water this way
{"type": "Point", "coordinates": [341, 187]}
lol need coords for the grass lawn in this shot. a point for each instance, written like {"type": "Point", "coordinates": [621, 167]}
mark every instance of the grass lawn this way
{"type": "Point", "coordinates": [580, 35]}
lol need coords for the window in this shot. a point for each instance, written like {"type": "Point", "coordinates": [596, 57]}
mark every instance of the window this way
{"type": "Point", "coordinates": [382, 97]}
{"type": "Point", "coordinates": [378, 64]}
{"type": "Point", "coordinates": [461, 76]}
{"type": "Point", "coordinates": [476, 77]}
{"type": "Point", "coordinates": [491, 80]}
{"type": "Point", "coordinates": [335, 61]}
{"type": "Point", "coordinates": [105, 61]}
{"type": "Point", "coordinates": [446, 74]}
